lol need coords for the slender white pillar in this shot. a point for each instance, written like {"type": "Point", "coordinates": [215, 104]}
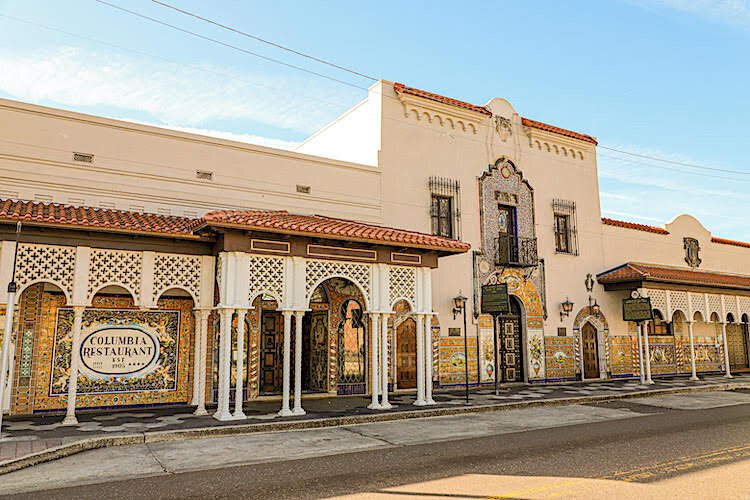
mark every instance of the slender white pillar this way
{"type": "Point", "coordinates": [75, 359]}
{"type": "Point", "coordinates": [200, 377]}
{"type": "Point", "coordinates": [420, 401]}
{"type": "Point", "coordinates": [239, 386]}
{"type": "Point", "coordinates": [429, 360]}
{"type": "Point", "coordinates": [648, 355]}
{"type": "Point", "coordinates": [728, 374]}
{"type": "Point", "coordinates": [5, 378]}
{"type": "Point", "coordinates": [298, 315]}
{"type": "Point", "coordinates": [196, 355]}
{"type": "Point", "coordinates": [285, 411]}
{"type": "Point", "coordinates": [640, 353]}
{"type": "Point", "coordinates": [225, 354]}
{"type": "Point", "coordinates": [384, 360]}
{"type": "Point", "coordinates": [693, 374]}
{"type": "Point", "coordinates": [374, 405]}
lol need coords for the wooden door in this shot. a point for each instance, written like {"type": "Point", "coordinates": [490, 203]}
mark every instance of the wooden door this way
{"type": "Point", "coordinates": [271, 343]}
{"type": "Point", "coordinates": [737, 346]}
{"type": "Point", "coordinates": [406, 342]}
{"type": "Point", "coordinates": [590, 352]}
{"type": "Point", "coordinates": [510, 357]}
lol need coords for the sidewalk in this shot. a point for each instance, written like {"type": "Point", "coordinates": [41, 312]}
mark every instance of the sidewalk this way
{"type": "Point", "coordinates": [34, 439]}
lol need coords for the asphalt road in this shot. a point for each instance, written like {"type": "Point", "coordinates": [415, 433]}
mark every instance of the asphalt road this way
{"type": "Point", "coordinates": [633, 449]}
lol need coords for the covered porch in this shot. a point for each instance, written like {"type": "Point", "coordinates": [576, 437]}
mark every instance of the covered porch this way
{"type": "Point", "coordinates": [700, 319]}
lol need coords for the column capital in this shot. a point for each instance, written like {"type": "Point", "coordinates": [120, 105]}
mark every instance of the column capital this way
{"type": "Point", "coordinates": [78, 308]}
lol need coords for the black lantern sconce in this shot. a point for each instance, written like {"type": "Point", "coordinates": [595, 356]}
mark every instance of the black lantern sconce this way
{"type": "Point", "coordinates": [459, 304]}
{"type": "Point", "coordinates": [565, 309]}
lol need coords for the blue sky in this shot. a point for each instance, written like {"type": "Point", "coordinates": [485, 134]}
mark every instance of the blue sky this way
{"type": "Point", "coordinates": [666, 78]}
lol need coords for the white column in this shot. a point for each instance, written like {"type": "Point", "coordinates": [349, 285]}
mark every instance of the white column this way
{"type": "Point", "coordinates": [200, 376]}
{"type": "Point", "coordinates": [285, 411]}
{"type": "Point", "coordinates": [728, 374]}
{"type": "Point", "coordinates": [225, 353]}
{"type": "Point", "coordinates": [384, 360]}
{"type": "Point", "coordinates": [75, 359]}
{"type": "Point", "coordinates": [420, 401]}
{"type": "Point", "coordinates": [5, 356]}
{"type": "Point", "coordinates": [429, 360]}
{"type": "Point", "coordinates": [374, 405]}
{"type": "Point", "coordinates": [298, 315]}
{"type": "Point", "coordinates": [239, 386]}
{"type": "Point", "coordinates": [693, 375]}
{"type": "Point", "coordinates": [640, 353]}
{"type": "Point", "coordinates": [196, 355]}
{"type": "Point", "coordinates": [648, 355]}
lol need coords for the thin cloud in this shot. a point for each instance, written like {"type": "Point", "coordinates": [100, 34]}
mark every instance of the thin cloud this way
{"type": "Point", "coordinates": [171, 94]}
{"type": "Point", "coordinates": [735, 12]}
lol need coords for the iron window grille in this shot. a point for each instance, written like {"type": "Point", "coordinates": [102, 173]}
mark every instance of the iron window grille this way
{"type": "Point", "coordinates": [564, 226]}
{"type": "Point", "coordinates": [516, 251]}
{"type": "Point", "coordinates": [445, 207]}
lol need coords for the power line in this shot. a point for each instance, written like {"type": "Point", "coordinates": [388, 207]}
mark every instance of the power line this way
{"type": "Point", "coordinates": [670, 169]}
{"type": "Point", "coordinates": [263, 40]}
{"type": "Point", "coordinates": [229, 45]}
{"type": "Point", "coordinates": [674, 162]}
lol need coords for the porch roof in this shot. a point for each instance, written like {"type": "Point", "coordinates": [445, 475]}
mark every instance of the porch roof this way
{"type": "Point", "coordinates": [637, 273]}
{"type": "Point", "coordinates": [284, 222]}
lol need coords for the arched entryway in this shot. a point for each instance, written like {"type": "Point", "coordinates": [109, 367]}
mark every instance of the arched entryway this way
{"type": "Point", "coordinates": [510, 343]}
{"type": "Point", "coordinates": [405, 346]}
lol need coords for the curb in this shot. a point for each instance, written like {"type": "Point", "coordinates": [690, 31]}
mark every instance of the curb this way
{"type": "Point", "coordinates": [82, 445]}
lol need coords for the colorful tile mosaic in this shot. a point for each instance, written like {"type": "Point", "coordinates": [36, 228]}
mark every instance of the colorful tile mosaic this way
{"type": "Point", "coordinates": [622, 355]}
{"type": "Point", "coordinates": [453, 361]}
{"type": "Point", "coordinates": [662, 351]}
{"type": "Point", "coordinates": [560, 358]}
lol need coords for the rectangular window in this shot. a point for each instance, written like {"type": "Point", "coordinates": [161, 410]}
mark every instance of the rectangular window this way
{"type": "Point", "coordinates": [564, 227]}
{"type": "Point", "coordinates": [445, 207]}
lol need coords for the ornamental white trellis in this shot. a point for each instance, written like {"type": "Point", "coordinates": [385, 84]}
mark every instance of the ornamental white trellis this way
{"type": "Point", "coordinates": [46, 263]}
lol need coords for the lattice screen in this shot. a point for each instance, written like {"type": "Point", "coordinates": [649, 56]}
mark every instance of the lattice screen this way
{"type": "Point", "coordinates": [52, 263]}
{"type": "Point", "coordinates": [115, 267]}
{"type": "Point", "coordinates": [317, 271]}
{"type": "Point", "coordinates": [714, 305]}
{"type": "Point", "coordinates": [402, 285]}
{"type": "Point", "coordinates": [698, 302]}
{"type": "Point", "coordinates": [267, 275]}
{"type": "Point", "coordinates": [172, 270]}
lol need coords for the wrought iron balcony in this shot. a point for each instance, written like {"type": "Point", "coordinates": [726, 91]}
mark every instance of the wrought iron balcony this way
{"type": "Point", "coordinates": [516, 251]}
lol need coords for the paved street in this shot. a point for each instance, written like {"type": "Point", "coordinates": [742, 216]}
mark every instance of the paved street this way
{"type": "Point", "coordinates": [637, 447]}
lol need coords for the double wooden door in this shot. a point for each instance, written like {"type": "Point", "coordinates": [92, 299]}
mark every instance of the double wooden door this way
{"type": "Point", "coordinates": [737, 345]}
{"type": "Point", "coordinates": [406, 344]}
{"type": "Point", "coordinates": [509, 348]}
{"type": "Point", "coordinates": [590, 351]}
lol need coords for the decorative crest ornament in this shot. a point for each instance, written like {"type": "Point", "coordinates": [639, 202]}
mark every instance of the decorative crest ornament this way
{"type": "Point", "coordinates": [692, 250]}
{"type": "Point", "coordinates": [503, 127]}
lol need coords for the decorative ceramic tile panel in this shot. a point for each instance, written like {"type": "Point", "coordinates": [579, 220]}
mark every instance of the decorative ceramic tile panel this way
{"type": "Point", "coordinates": [560, 358]}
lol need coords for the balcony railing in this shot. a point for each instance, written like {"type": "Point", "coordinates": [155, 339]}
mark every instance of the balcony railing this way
{"type": "Point", "coordinates": [516, 251]}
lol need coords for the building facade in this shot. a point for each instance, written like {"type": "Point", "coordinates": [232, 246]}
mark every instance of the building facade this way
{"type": "Point", "coordinates": [225, 272]}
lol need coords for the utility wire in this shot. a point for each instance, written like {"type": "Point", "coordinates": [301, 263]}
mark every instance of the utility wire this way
{"type": "Point", "coordinates": [229, 45]}
{"type": "Point", "coordinates": [263, 40]}
{"type": "Point", "coordinates": [674, 162]}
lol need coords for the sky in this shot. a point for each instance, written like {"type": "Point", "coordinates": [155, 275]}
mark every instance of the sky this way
{"type": "Point", "coordinates": [661, 78]}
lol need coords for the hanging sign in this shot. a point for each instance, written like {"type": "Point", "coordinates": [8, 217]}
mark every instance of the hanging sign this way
{"type": "Point", "coordinates": [118, 351]}
{"type": "Point", "coordinates": [495, 299]}
{"type": "Point", "coordinates": [637, 309]}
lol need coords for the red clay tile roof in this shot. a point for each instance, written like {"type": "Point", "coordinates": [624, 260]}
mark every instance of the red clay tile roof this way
{"type": "Point", "coordinates": [328, 227]}
{"type": "Point", "coordinates": [403, 89]}
{"type": "Point", "coordinates": [724, 241]}
{"type": "Point", "coordinates": [557, 130]}
{"type": "Point", "coordinates": [633, 225]}
{"type": "Point", "coordinates": [102, 219]}
{"type": "Point", "coordinates": [648, 272]}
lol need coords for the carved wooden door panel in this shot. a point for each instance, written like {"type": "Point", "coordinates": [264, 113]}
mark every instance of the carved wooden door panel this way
{"type": "Point", "coordinates": [510, 357]}
{"type": "Point", "coordinates": [271, 338]}
{"type": "Point", "coordinates": [406, 342]}
{"type": "Point", "coordinates": [737, 346]}
{"type": "Point", "coordinates": [590, 352]}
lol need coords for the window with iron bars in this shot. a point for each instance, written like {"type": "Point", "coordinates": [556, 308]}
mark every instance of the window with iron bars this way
{"type": "Point", "coordinates": [564, 226]}
{"type": "Point", "coordinates": [445, 207]}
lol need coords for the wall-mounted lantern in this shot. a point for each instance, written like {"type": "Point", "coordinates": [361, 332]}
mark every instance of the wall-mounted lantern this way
{"type": "Point", "coordinates": [565, 309]}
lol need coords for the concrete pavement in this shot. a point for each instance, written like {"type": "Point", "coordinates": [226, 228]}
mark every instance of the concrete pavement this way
{"type": "Point", "coordinates": [175, 458]}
